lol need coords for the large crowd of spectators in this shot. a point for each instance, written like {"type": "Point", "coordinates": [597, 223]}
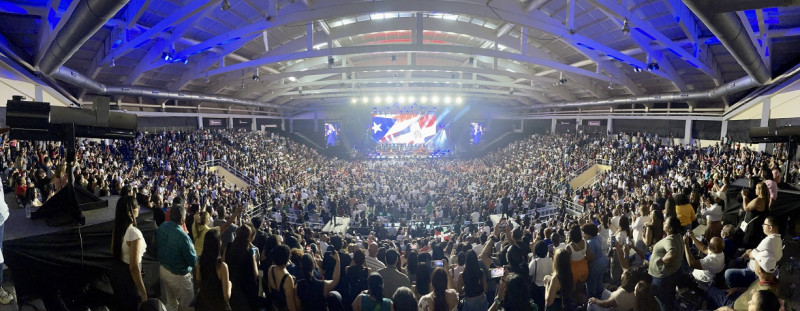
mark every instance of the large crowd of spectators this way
{"type": "Point", "coordinates": [632, 248]}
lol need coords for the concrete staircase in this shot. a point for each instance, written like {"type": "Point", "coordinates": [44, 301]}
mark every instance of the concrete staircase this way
{"type": "Point", "coordinates": [231, 178]}
{"type": "Point", "coordinates": [589, 176]}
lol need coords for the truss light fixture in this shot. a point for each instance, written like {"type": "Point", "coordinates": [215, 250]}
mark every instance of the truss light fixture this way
{"type": "Point", "coordinates": [255, 76]}
{"type": "Point", "coordinates": [353, 100]}
{"type": "Point", "coordinates": [626, 27]}
{"type": "Point", "coordinates": [376, 100]}
{"type": "Point", "coordinates": [459, 100]}
{"type": "Point", "coordinates": [112, 64]}
{"type": "Point", "coordinates": [611, 85]}
{"type": "Point", "coordinates": [448, 100]}
{"type": "Point", "coordinates": [293, 79]}
{"type": "Point", "coordinates": [637, 69]}
{"type": "Point", "coordinates": [389, 99]}
{"type": "Point", "coordinates": [226, 5]}
{"type": "Point", "coordinates": [401, 99]}
{"type": "Point", "coordinates": [364, 100]}
{"type": "Point", "coordinates": [653, 67]}
{"type": "Point", "coordinates": [435, 99]}
{"type": "Point", "coordinates": [412, 100]}
{"type": "Point", "coordinates": [207, 78]}
{"type": "Point", "coordinates": [330, 61]}
{"type": "Point", "coordinates": [423, 100]}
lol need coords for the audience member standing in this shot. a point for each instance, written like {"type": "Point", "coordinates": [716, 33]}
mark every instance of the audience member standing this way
{"type": "Point", "coordinates": [215, 286]}
{"type": "Point", "coordinates": [178, 258]}
{"type": "Point", "coordinates": [127, 249]}
{"type": "Point", "coordinates": [666, 261]}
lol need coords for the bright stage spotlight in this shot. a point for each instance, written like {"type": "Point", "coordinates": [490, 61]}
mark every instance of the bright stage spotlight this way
{"type": "Point", "coordinates": [389, 99]}
{"type": "Point", "coordinates": [376, 100]}
{"type": "Point", "coordinates": [447, 100]}
{"type": "Point", "coordinates": [364, 100]}
{"type": "Point", "coordinates": [459, 100]}
{"type": "Point", "coordinates": [435, 99]}
{"type": "Point", "coordinates": [412, 100]}
{"type": "Point", "coordinates": [401, 99]}
{"type": "Point", "coordinates": [423, 100]}
{"type": "Point", "coordinates": [354, 100]}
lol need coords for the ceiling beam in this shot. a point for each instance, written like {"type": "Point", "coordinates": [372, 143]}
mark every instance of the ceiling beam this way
{"type": "Point", "coordinates": [640, 25]}
{"type": "Point", "coordinates": [273, 58]}
{"type": "Point", "coordinates": [508, 10]}
{"type": "Point", "coordinates": [185, 12]}
{"type": "Point", "coordinates": [132, 15]}
{"type": "Point", "coordinates": [48, 32]}
{"type": "Point", "coordinates": [757, 39]}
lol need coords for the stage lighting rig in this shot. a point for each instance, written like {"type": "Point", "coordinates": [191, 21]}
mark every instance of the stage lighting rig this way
{"type": "Point", "coordinates": [653, 67]}
{"type": "Point", "coordinates": [226, 5]}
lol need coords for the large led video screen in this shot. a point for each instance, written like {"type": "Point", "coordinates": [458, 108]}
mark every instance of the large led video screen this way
{"type": "Point", "coordinates": [403, 128]}
{"type": "Point", "coordinates": [331, 133]}
{"type": "Point", "coordinates": [477, 132]}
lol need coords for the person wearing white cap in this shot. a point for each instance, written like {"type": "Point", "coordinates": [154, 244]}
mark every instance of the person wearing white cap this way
{"type": "Point", "coordinates": [739, 298]}
{"type": "Point", "coordinates": [770, 246]}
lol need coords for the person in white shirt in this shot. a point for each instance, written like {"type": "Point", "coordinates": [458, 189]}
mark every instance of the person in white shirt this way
{"type": "Point", "coordinates": [638, 224]}
{"type": "Point", "coordinates": [713, 215]}
{"type": "Point", "coordinates": [476, 216]}
{"type": "Point", "coordinates": [706, 268]}
{"type": "Point", "coordinates": [371, 260]}
{"type": "Point", "coordinates": [771, 246]}
{"type": "Point", "coordinates": [538, 268]}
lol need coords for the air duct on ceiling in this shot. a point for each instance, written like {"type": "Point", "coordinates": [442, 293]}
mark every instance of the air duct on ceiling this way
{"type": "Point", "coordinates": [719, 6]}
{"type": "Point", "coordinates": [732, 33]}
{"type": "Point", "coordinates": [73, 77]}
{"type": "Point", "coordinates": [729, 88]}
{"type": "Point", "coordinates": [86, 19]}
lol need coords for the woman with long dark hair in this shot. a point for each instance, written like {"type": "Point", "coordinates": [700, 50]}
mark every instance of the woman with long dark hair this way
{"type": "Point", "coordinates": [215, 286]}
{"type": "Point", "coordinates": [411, 265]}
{"type": "Point", "coordinates": [756, 210]}
{"type": "Point", "coordinates": [513, 294]}
{"type": "Point", "coordinates": [127, 248]}
{"type": "Point", "coordinates": [559, 292]}
{"type": "Point", "coordinates": [472, 283]}
{"type": "Point", "coordinates": [442, 298]}
{"type": "Point", "coordinates": [357, 274]}
{"type": "Point", "coordinates": [241, 256]}
{"type": "Point", "coordinates": [422, 284]}
{"type": "Point", "coordinates": [621, 236]}
{"type": "Point", "coordinates": [315, 294]}
{"type": "Point", "coordinates": [373, 300]}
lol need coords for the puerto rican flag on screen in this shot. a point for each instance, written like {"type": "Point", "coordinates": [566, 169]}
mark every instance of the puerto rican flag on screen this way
{"type": "Point", "coordinates": [403, 128]}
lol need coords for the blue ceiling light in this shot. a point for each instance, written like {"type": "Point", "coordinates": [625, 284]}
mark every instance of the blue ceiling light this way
{"type": "Point", "coordinates": [712, 41]}
{"type": "Point", "coordinates": [116, 44]}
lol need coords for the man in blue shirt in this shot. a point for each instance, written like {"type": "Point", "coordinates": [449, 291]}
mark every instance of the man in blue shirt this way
{"type": "Point", "coordinates": [177, 257]}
